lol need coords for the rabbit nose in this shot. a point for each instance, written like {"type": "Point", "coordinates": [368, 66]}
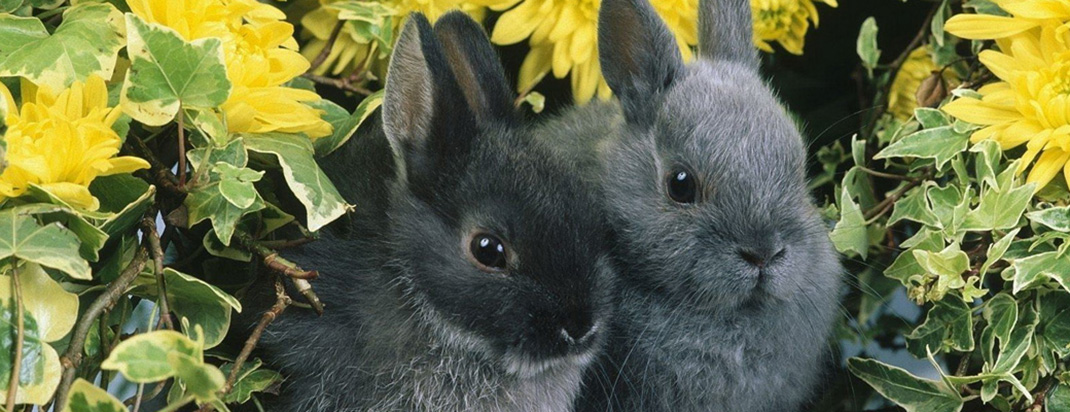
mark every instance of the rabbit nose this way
{"type": "Point", "coordinates": [577, 331]}
{"type": "Point", "coordinates": [760, 257]}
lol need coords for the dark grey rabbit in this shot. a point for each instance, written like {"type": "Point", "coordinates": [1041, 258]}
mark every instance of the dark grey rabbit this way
{"type": "Point", "coordinates": [473, 276]}
{"type": "Point", "coordinates": [729, 283]}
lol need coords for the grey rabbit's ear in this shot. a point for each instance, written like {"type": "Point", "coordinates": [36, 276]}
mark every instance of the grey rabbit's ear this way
{"type": "Point", "coordinates": [726, 31]}
{"type": "Point", "coordinates": [476, 67]}
{"type": "Point", "coordinates": [639, 56]}
{"type": "Point", "coordinates": [425, 118]}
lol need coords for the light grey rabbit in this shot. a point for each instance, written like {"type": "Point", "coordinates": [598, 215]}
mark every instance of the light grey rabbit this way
{"type": "Point", "coordinates": [729, 283]}
{"type": "Point", "coordinates": [474, 274]}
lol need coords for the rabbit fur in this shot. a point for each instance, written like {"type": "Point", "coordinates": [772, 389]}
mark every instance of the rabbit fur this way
{"type": "Point", "coordinates": [411, 324]}
{"type": "Point", "coordinates": [725, 303]}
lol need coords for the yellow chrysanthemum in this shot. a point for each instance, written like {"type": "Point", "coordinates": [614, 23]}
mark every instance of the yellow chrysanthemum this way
{"type": "Point", "coordinates": [260, 55]}
{"type": "Point", "coordinates": [1031, 105]}
{"type": "Point", "coordinates": [352, 49]}
{"type": "Point", "coordinates": [62, 142]}
{"type": "Point", "coordinates": [1026, 15]}
{"type": "Point", "coordinates": [785, 22]}
{"type": "Point", "coordinates": [903, 97]}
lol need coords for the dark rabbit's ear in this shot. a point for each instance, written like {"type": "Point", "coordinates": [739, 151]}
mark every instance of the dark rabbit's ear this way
{"type": "Point", "coordinates": [424, 115]}
{"type": "Point", "coordinates": [725, 31]}
{"type": "Point", "coordinates": [639, 56]}
{"type": "Point", "coordinates": [476, 67]}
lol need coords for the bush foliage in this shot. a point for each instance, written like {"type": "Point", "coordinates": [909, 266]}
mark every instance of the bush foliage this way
{"type": "Point", "coordinates": [155, 162]}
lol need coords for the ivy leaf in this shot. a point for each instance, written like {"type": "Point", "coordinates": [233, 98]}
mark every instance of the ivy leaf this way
{"type": "Point", "coordinates": [322, 201]}
{"type": "Point", "coordinates": [201, 380]}
{"type": "Point", "coordinates": [931, 118]}
{"type": "Point", "coordinates": [914, 207]}
{"type": "Point", "coordinates": [946, 266]}
{"type": "Point", "coordinates": [43, 320]}
{"type": "Point", "coordinates": [207, 201]}
{"type": "Point", "coordinates": [908, 391]}
{"type": "Point", "coordinates": [940, 144]}
{"type": "Point", "coordinates": [1058, 399]}
{"type": "Point", "coordinates": [91, 239]}
{"type": "Point", "coordinates": [86, 43]}
{"type": "Point", "coordinates": [250, 379]}
{"type": "Point", "coordinates": [236, 184]}
{"type": "Point", "coordinates": [1055, 218]}
{"type": "Point", "coordinates": [125, 197]}
{"type": "Point", "coordinates": [997, 250]}
{"type": "Point", "coordinates": [948, 324]}
{"type": "Point", "coordinates": [1015, 347]}
{"type": "Point", "coordinates": [986, 163]}
{"type": "Point", "coordinates": [866, 45]}
{"type": "Point", "coordinates": [1001, 313]}
{"type": "Point", "coordinates": [1000, 207]}
{"type": "Point", "coordinates": [50, 245]}
{"type": "Point", "coordinates": [906, 266]}
{"type": "Point", "coordinates": [167, 73]}
{"type": "Point", "coordinates": [87, 397]}
{"type": "Point", "coordinates": [1028, 271]}
{"type": "Point", "coordinates": [1054, 325]}
{"type": "Point", "coordinates": [202, 303]}
{"type": "Point", "coordinates": [345, 124]}
{"type": "Point", "coordinates": [144, 357]}
{"type": "Point", "coordinates": [850, 233]}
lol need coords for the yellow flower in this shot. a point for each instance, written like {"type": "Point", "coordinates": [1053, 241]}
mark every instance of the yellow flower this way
{"type": "Point", "coordinates": [62, 142]}
{"type": "Point", "coordinates": [918, 66]}
{"type": "Point", "coordinates": [260, 55]}
{"type": "Point", "coordinates": [784, 22]}
{"type": "Point", "coordinates": [352, 49]}
{"type": "Point", "coordinates": [1026, 15]}
{"type": "Point", "coordinates": [563, 36]}
{"type": "Point", "coordinates": [1031, 105]}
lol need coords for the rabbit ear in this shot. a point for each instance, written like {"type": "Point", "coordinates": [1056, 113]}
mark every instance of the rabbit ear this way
{"type": "Point", "coordinates": [424, 116]}
{"type": "Point", "coordinates": [726, 32]}
{"type": "Point", "coordinates": [638, 54]}
{"type": "Point", "coordinates": [476, 67]}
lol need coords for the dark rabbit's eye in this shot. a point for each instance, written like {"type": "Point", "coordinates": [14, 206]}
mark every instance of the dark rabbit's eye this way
{"type": "Point", "coordinates": [681, 186]}
{"type": "Point", "coordinates": [487, 252]}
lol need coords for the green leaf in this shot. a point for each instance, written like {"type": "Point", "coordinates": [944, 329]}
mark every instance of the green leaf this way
{"type": "Point", "coordinates": [345, 124]}
{"type": "Point", "coordinates": [40, 370]}
{"type": "Point", "coordinates": [986, 163]}
{"type": "Point", "coordinates": [996, 251]}
{"type": "Point", "coordinates": [144, 357]}
{"type": "Point", "coordinates": [914, 207]}
{"type": "Point", "coordinates": [937, 23]}
{"type": "Point", "coordinates": [931, 118]}
{"type": "Point", "coordinates": [1017, 344]}
{"type": "Point", "coordinates": [940, 144]}
{"type": "Point", "coordinates": [1000, 208]}
{"type": "Point", "coordinates": [1054, 326]}
{"type": "Point", "coordinates": [908, 391]}
{"type": "Point", "coordinates": [202, 303]}
{"type": "Point", "coordinates": [362, 10]}
{"type": "Point", "coordinates": [250, 379]}
{"type": "Point", "coordinates": [125, 198]}
{"type": "Point", "coordinates": [1055, 218]}
{"type": "Point", "coordinates": [1058, 399]}
{"type": "Point", "coordinates": [202, 380]}
{"type": "Point", "coordinates": [866, 45]}
{"type": "Point", "coordinates": [90, 237]}
{"type": "Point", "coordinates": [849, 235]}
{"type": "Point", "coordinates": [946, 266]}
{"type": "Point", "coordinates": [236, 184]}
{"type": "Point", "coordinates": [948, 325]}
{"type": "Point", "coordinates": [1028, 271]}
{"type": "Point", "coordinates": [85, 44]}
{"type": "Point", "coordinates": [87, 397]}
{"type": "Point", "coordinates": [8, 6]}
{"type": "Point", "coordinates": [50, 245]}
{"type": "Point", "coordinates": [207, 200]}
{"type": "Point", "coordinates": [906, 266]}
{"type": "Point", "coordinates": [322, 201]}
{"type": "Point", "coordinates": [1001, 312]}
{"type": "Point", "coordinates": [167, 73]}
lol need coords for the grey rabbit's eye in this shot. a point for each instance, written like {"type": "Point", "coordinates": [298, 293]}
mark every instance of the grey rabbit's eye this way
{"type": "Point", "coordinates": [681, 186]}
{"type": "Point", "coordinates": [487, 252]}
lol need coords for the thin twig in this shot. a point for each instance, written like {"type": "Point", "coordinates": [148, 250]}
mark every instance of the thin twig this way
{"type": "Point", "coordinates": [280, 265]}
{"type": "Point", "coordinates": [885, 205]}
{"type": "Point", "coordinates": [138, 397]}
{"type": "Point", "coordinates": [148, 228]}
{"type": "Point", "coordinates": [282, 300]}
{"type": "Point", "coordinates": [181, 150]}
{"type": "Point", "coordinates": [161, 174]}
{"type": "Point", "coordinates": [115, 290]}
{"type": "Point", "coordinates": [342, 84]}
{"type": "Point", "coordinates": [886, 175]}
{"type": "Point", "coordinates": [326, 52]}
{"type": "Point", "coordinates": [16, 363]}
{"type": "Point", "coordinates": [152, 395]}
{"type": "Point", "coordinates": [286, 243]}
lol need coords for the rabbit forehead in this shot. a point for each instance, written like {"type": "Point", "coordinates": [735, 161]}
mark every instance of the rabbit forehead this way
{"type": "Point", "coordinates": [723, 120]}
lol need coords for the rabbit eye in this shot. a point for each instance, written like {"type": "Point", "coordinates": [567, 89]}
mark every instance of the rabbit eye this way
{"type": "Point", "coordinates": [487, 252]}
{"type": "Point", "coordinates": [681, 186]}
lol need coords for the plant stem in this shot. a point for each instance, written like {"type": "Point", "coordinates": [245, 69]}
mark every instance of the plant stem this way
{"type": "Point", "coordinates": [886, 175]}
{"type": "Point", "coordinates": [322, 57]}
{"type": "Point", "coordinates": [115, 290]}
{"type": "Point", "coordinates": [148, 228]}
{"type": "Point", "coordinates": [181, 150]}
{"type": "Point", "coordinates": [177, 405]}
{"type": "Point", "coordinates": [342, 84]}
{"type": "Point", "coordinates": [16, 364]}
